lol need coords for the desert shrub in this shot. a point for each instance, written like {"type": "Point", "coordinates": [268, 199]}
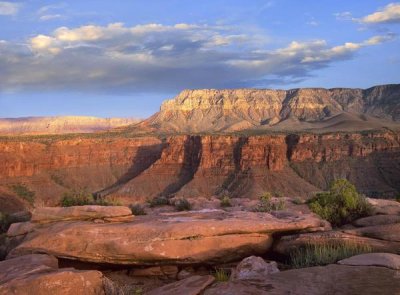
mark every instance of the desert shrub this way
{"type": "Point", "coordinates": [77, 198]}
{"type": "Point", "coordinates": [225, 201]}
{"type": "Point", "coordinates": [159, 201]}
{"type": "Point", "coordinates": [137, 209]}
{"type": "Point", "coordinates": [326, 253]}
{"type": "Point", "coordinates": [23, 192]}
{"type": "Point", "coordinates": [266, 204]}
{"type": "Point", "coordinates": [341, 204]}
{"type": "Point", "coordinates": [298, 201]}
{"type": "Point", "coordinates": [182, 205]}
{"type": "Point", "coordinates": [221, 275]}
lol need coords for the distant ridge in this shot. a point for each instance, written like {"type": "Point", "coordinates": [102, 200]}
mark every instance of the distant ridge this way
{"type": "Point", "coordinates": [60, 125]}
{"type": "Point", "coordinates": [312, 109]}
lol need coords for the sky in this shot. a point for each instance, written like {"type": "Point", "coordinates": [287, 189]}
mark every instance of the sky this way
{"type": "Point", "coordinates": [123, 58]}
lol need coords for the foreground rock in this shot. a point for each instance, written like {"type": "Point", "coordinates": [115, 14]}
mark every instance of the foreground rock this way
{"type": "Point", "coordinates": [377, 220]}
{"type": "Point", "coordinates": [39, 274]}
{"type": "Point", "coordinates": [178, 238]}
{"type": "Point", "coordinates": [254, 268]}
{"type": "Point", "coordinates": [387, 207]}
{"type": "Point", "coordinates": [331, 279]}
{"type": "Point", "coordinates": [374, 259]}
{"type": "Point", "coordinates": [390, 245]}
{"type": "Point", "coordinates": [191, 286]}
{"type": "Point", "coordinates": [89, 212]}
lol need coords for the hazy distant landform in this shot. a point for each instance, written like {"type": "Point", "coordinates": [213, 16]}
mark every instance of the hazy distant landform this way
{"type": "Point", "coordinates": [60, 125]}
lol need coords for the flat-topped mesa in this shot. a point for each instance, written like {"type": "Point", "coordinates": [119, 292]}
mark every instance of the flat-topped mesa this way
{"type": "Point", "coordinates": [208, 110]}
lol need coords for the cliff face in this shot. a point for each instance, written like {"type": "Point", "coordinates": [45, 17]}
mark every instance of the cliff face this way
{"type": "Point", "coordinates": [213, 110]}
{"type": "Point", "coordinates": [134, 169]}
{"type": "Point", "coordinates": [60, 125]}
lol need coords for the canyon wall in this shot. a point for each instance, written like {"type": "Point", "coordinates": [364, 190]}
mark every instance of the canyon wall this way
{"type": "Point", "coordinates": [139, 168]}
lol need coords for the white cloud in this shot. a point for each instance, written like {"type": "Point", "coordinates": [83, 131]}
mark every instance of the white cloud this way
{"type": "Point", "coordinates": [9, 8]}
{"type": "Point", "coordinates": [47, 17]}
{"type": "Point", "coordinates": [156, 57]}
{"type": "Point", "coordinates": [343, 15]}
{"type": "Point", "coordinates": [389, 14]}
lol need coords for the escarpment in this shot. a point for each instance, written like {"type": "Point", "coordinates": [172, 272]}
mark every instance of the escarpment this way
{"type": "Point", "coordinates": [140, 168]}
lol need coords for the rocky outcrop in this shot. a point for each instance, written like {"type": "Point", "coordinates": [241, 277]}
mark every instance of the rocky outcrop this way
{"type": "Point", "coordinates": [193, 285]}
{"type": "Point", "coordinates": [39, 274]}
{"type": "Point", "coordinates": [254, 269]}
{"type": "Point", "coordinates": [178, 238]}
{"type": "Point", "coordinates": [60, 125]}
{"type": "Point", "coordinates": [212, 110]}
{"type": "Point", "coordinates": [374, 259]}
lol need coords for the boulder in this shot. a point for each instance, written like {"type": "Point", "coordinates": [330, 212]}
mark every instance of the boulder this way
{"type": "Point", "coordinates": [377, 220]}
{"type": "Point", "coordinates": [39, 274]}
{"type": "Point", "coordinates": [20, 228]}
{"type": "Point", "coordinates": [191, 286]}
{"type": "Point", "coordinates": [89, 212]}
{"type": "Point", "coordinates": [387, 207]}
{"type": "Point", "coordinates": [388, 260]}
{"type": "Point", "coordinates": [169, 271]}
{"type": "Point", "coordinates": [178, 238]}
{"type": "Point", "coordinates": [254, 268]}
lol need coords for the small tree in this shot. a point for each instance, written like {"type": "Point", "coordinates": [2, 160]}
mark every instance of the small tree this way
{"type": "Point", "coordinates": [341, 204]}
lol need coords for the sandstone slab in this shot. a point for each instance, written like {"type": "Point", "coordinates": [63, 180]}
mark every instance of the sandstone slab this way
{"type": "Point", "coordinates": [377, 220]}
{"type": "Point", "coordinates": [89, 212]}
{"type": "Point", "coordinates": [387, 207]}
{"type": "Point", "coordinates": [179, 238]}
{"type": "Point", "coordinates": [236, 288]}
{"type": "Point", "coordinates": [388, 260]}
{"type": "Point", "coordinates": [291, 242]}
{"type": "Point", "coordinates": [191, 286]}
{"type": "Point", "coordinates": [39, 274]}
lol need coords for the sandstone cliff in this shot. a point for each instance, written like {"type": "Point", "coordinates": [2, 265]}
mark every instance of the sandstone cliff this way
{"type": "Point", "coordinates": [139, 168]}
{"type": "Point", "coordinates": [337, 109]}
{"type": "Point", "coordinates": [60, 125]}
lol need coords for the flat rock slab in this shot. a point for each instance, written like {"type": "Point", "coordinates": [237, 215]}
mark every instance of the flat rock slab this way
{"type": "Point", "coordinates": [377, 220]}
{"type": "Point", "coordinates": [179, 238]}
{"type": "Point", "coordinates": [387, 207]}
{"type": "Point", "coordinates": [236, 288]}
{"type": "Point", "coordinates": [388, 232]}
{"type": "Point", "coordinates": [191, 286]}
{"type": "Point", "coordinates": [39, 274]}
{"type": "Point", "coordinates": [335, 279]}
{"type": "Point", "coordinates": [388, 260]}
{"type": "Point", "coordinates": [89, 212]}
{"type": "Point", "coordinates": [291, 242]}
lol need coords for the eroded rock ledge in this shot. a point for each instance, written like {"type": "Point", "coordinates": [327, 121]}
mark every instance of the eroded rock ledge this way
{"type": "Point", "coordinates": [208, 236]}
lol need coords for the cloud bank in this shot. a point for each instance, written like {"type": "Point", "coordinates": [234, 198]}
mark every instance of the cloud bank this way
{"type": "Point", "coordinates": [156, 57]}
{"type": "Point", "coordinates": [9, 8]}
{"type": "Point", "coordinates": [389, 14]}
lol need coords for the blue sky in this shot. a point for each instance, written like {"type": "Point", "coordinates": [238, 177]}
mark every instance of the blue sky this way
{"type": "Point", "coordinates": [123, 58]}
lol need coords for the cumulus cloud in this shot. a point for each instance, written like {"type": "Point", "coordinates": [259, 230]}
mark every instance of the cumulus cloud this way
{"type": "Point", "coordinates": [9, 8]}
{"type": "Point", "coordinates": [389, 14]}
{"type": "Point", "coordinates": [156, 57]}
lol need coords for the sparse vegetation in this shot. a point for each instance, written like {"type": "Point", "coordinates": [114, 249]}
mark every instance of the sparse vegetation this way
{"type": "Point", "coordinates": [57, 179]}
{"type": "Point", "coordinates": [82, 197]}
{"type": "Point", "coordinates": [341, 204]}
{"type": "Point", "coordinates": [298, 201]}
{"type": "Point", "coordinates": [266, 204]}
{"type": "Point", "coordinates": [323, 254]}
{"type": "Point", "coordinates": [24, 192]}
{"type": "Point", "coordinates": [225, 201]}
{"type": "Point", "coordinates": [182, 205]}
{"type": "Point", "coordinates": [221, 275]}
{"type": "Point", "coordinates": [137, 209]}
{"type": "Point", "coordinates": [159, 201]}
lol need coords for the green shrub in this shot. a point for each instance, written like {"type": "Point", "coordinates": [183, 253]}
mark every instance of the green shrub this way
{"type": "Point", "coordinates": [298, 201]}
{"type": "Point", "coordinates": [159, 201]}
{"type": "Point", "coordinates": [77, 198]}
{"type": "Point", "coordinates": [225, 201]}
{"type": "Point", "coordinates": [183, 205]}
{"type": "Point", "coordinates": [266, 204]}
{"type": "Point", "coordinates": [323, 254]}
{"type": "Point", "coordinates": [221, 275]}
{"type": "Point", "coordinates": [341, 204]}
{"type": "Point", "coordinates": [137, 209]}
{"type": "Point", "coordinates": [22, 191]}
